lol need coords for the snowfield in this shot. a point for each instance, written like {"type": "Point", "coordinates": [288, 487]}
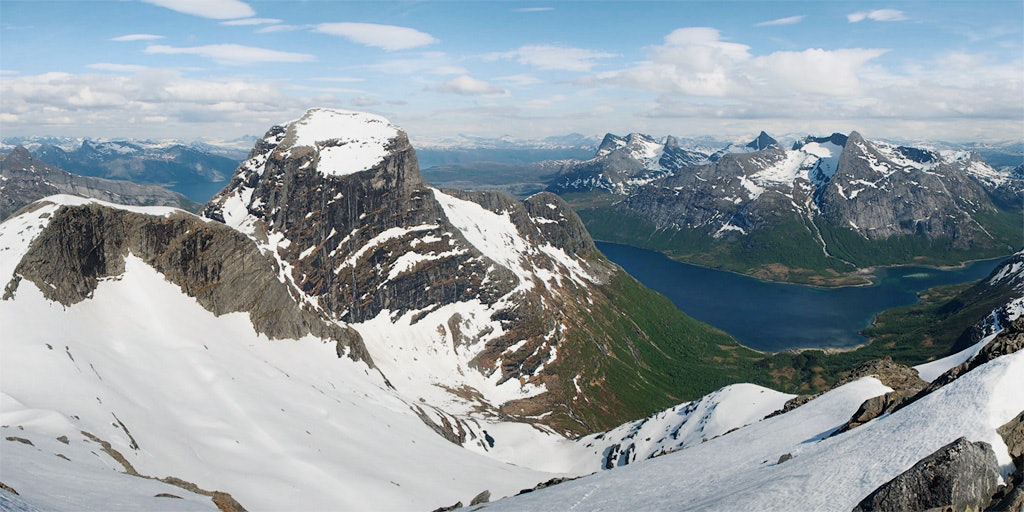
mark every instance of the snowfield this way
{"type": "Point", "coordinates": [743, 470]}
{"type": "Point", "coordinates": [281, 425]}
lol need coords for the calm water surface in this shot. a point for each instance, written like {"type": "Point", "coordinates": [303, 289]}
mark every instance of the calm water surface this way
{"type": "Point", "coordinates": [776, 316]}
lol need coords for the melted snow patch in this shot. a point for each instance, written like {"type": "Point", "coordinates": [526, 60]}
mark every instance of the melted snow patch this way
{"type": "Point", "coordinates": [348, 142]}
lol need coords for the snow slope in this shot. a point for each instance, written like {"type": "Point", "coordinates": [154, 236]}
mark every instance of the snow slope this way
{"type": "Point", "coordinates": [181, 392]}
{"type": "Point", "coordinates": [742, 470]}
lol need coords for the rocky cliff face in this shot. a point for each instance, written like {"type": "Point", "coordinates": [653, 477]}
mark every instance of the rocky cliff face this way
{"type": "Point", "coordinates": [24, 179]}
{"type": "Point", "coordinates": [502, 294]}
{"type": "Point", "coordinates": [881, 191]}
{"type": "Point", "coordinates": [85, 242]}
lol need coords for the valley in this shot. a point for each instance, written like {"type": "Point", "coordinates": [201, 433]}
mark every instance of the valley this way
{"type": "Point", "coordinates": [381, 319]}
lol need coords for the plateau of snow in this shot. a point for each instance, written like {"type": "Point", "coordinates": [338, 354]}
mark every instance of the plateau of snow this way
{"type": "Point", "coordinates": [347, 142]}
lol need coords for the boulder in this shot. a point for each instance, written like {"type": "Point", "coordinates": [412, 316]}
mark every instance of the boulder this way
{"type": "Point", "coordinates": [959, 476]}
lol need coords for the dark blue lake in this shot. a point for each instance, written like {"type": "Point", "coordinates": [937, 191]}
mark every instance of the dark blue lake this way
{"type": "Point", "coordinates": [777, 316]}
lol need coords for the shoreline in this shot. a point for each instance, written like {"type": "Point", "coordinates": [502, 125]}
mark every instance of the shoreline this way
{"type": "Point", "coordinates": [869, 273]}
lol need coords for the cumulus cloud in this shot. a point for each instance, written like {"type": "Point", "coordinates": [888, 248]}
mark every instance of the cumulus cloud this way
{"type": "Point", "coordinates": [215, 9]}
{"type": "Point", "coordinates": [388, 37]}
{"type": "Point", "coordinates": [696, 61]}
{"type": "Point", "coordinates": [137, 37]}
{"type": "Point", "coordinates": [107, 104]}
{"type": "Point", "coordinates": [234, 54]}
{"type": "Point", "coordinates": [791, 20]}
{"type": "Point", "coordinates": [534, 9]}
{"type": "Point", "coordinates": [551, 57]}
{"type": "Point", "coordinates": [251, 21]}
{"type": "Point", "coordinates": [876, 15]}
{"type": "Point", "coordinates": [466, 85]}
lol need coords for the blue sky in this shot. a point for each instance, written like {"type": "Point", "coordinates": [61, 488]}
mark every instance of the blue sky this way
{"type": "Point", "coordinates": [939, 70]}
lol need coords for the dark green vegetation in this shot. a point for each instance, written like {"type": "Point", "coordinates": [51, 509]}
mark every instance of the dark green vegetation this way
{"type": "Point", "coordinates": [791, 250]}
{"type": "Point", "coordinates": [940, 325]}
{"type": "Point", "coordinates": [635, 353]}
{"type": "Point", "coordinates": [1003, 225]}
{"type": "Point", "coordinates": [643, 355]}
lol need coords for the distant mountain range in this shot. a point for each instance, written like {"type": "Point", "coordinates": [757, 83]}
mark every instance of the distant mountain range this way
{"type": "Point", "coordinates": [331, 332]}
{"type": "Point", "coordinates": [813, 213]}
{"type": "Point", "coordinates": [25, 179]}
{"type": "Point", "coordinates": [148, 162]}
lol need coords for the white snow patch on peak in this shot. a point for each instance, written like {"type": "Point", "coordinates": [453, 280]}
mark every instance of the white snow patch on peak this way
{"type": "Point", "coordinates": [348, 142]}
{"type": "Point", "coordinates": [828, 156]}
{"type": "Point", "coordinates": [70, 200]}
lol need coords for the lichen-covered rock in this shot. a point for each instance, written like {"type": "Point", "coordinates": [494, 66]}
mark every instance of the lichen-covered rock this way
{"type": "Point", "coordinates": [959, 476]}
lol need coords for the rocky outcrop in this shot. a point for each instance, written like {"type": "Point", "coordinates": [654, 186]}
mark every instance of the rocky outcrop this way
{"type": "Point", "coordinates": [24, 179]}
{"type": "Point", "coordinates": [1008, 341]}
{"type": "Point", "coordinates": [221, 268]}
{"type": "Point", "coordinates": [1011, 497]}
{"type": "Point", "coordinates": [904, 381]}
{"type": "Point", "coordinates": [959, 476]}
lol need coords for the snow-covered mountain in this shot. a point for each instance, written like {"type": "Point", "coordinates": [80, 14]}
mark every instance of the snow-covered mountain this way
{"type": "Point", "coordinates": [828, 204]}
{"type": "Point", "coordinates": [332, 322]}
{"type": "Point", "coordinates": [24, 179]}
{"type": "Point", "coordinates": [799, 461]}
{"type": "Point", "coordinates": [622, 164]}
{"type": "Point", "coordinates": [334, 333]}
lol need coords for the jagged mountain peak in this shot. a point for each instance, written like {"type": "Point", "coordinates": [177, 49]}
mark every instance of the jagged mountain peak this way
{"type": "Point", "coordinates": [762, 141]}
{"type": "Point", "coordinates": [19, 154]}
{"type": "Point", "coordinates": [836, 139]}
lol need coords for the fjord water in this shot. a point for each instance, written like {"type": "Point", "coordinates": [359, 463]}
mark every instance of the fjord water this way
{"type": "Point", "coordinates": [777, 316]}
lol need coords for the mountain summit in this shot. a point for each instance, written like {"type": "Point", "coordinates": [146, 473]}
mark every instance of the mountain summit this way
{"type": "Point", "coordinates": [498, 301]}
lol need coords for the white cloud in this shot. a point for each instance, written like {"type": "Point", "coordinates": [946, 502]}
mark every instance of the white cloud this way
{"type": "Point", "coordinates": [551, 57]}
{"type": "Point", "coordinates": [137, 37]}
{"type": "Point", "coordinates": [791, 20]}
{"type": "Point", "coordinates": [388, 37]}
{"type": "Point", "coordinates": [876, 15]}
{"type": "Point", "coordinates": [123, 105]}
{"type": "Point", "coordinates": [695, 61]}
{"type": "Point", "coordinates": [534, 9]}
{"type": "Point", "coordinates": [235, 54]}
{"type": "Point", "coordinates": [251, 21]}
{"type": "Point", "coordinates": [117, 68]}
{"type": "Point", "coordinates": [466, 85]}
{"type": "Point", "coordinates": [215, 9]}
